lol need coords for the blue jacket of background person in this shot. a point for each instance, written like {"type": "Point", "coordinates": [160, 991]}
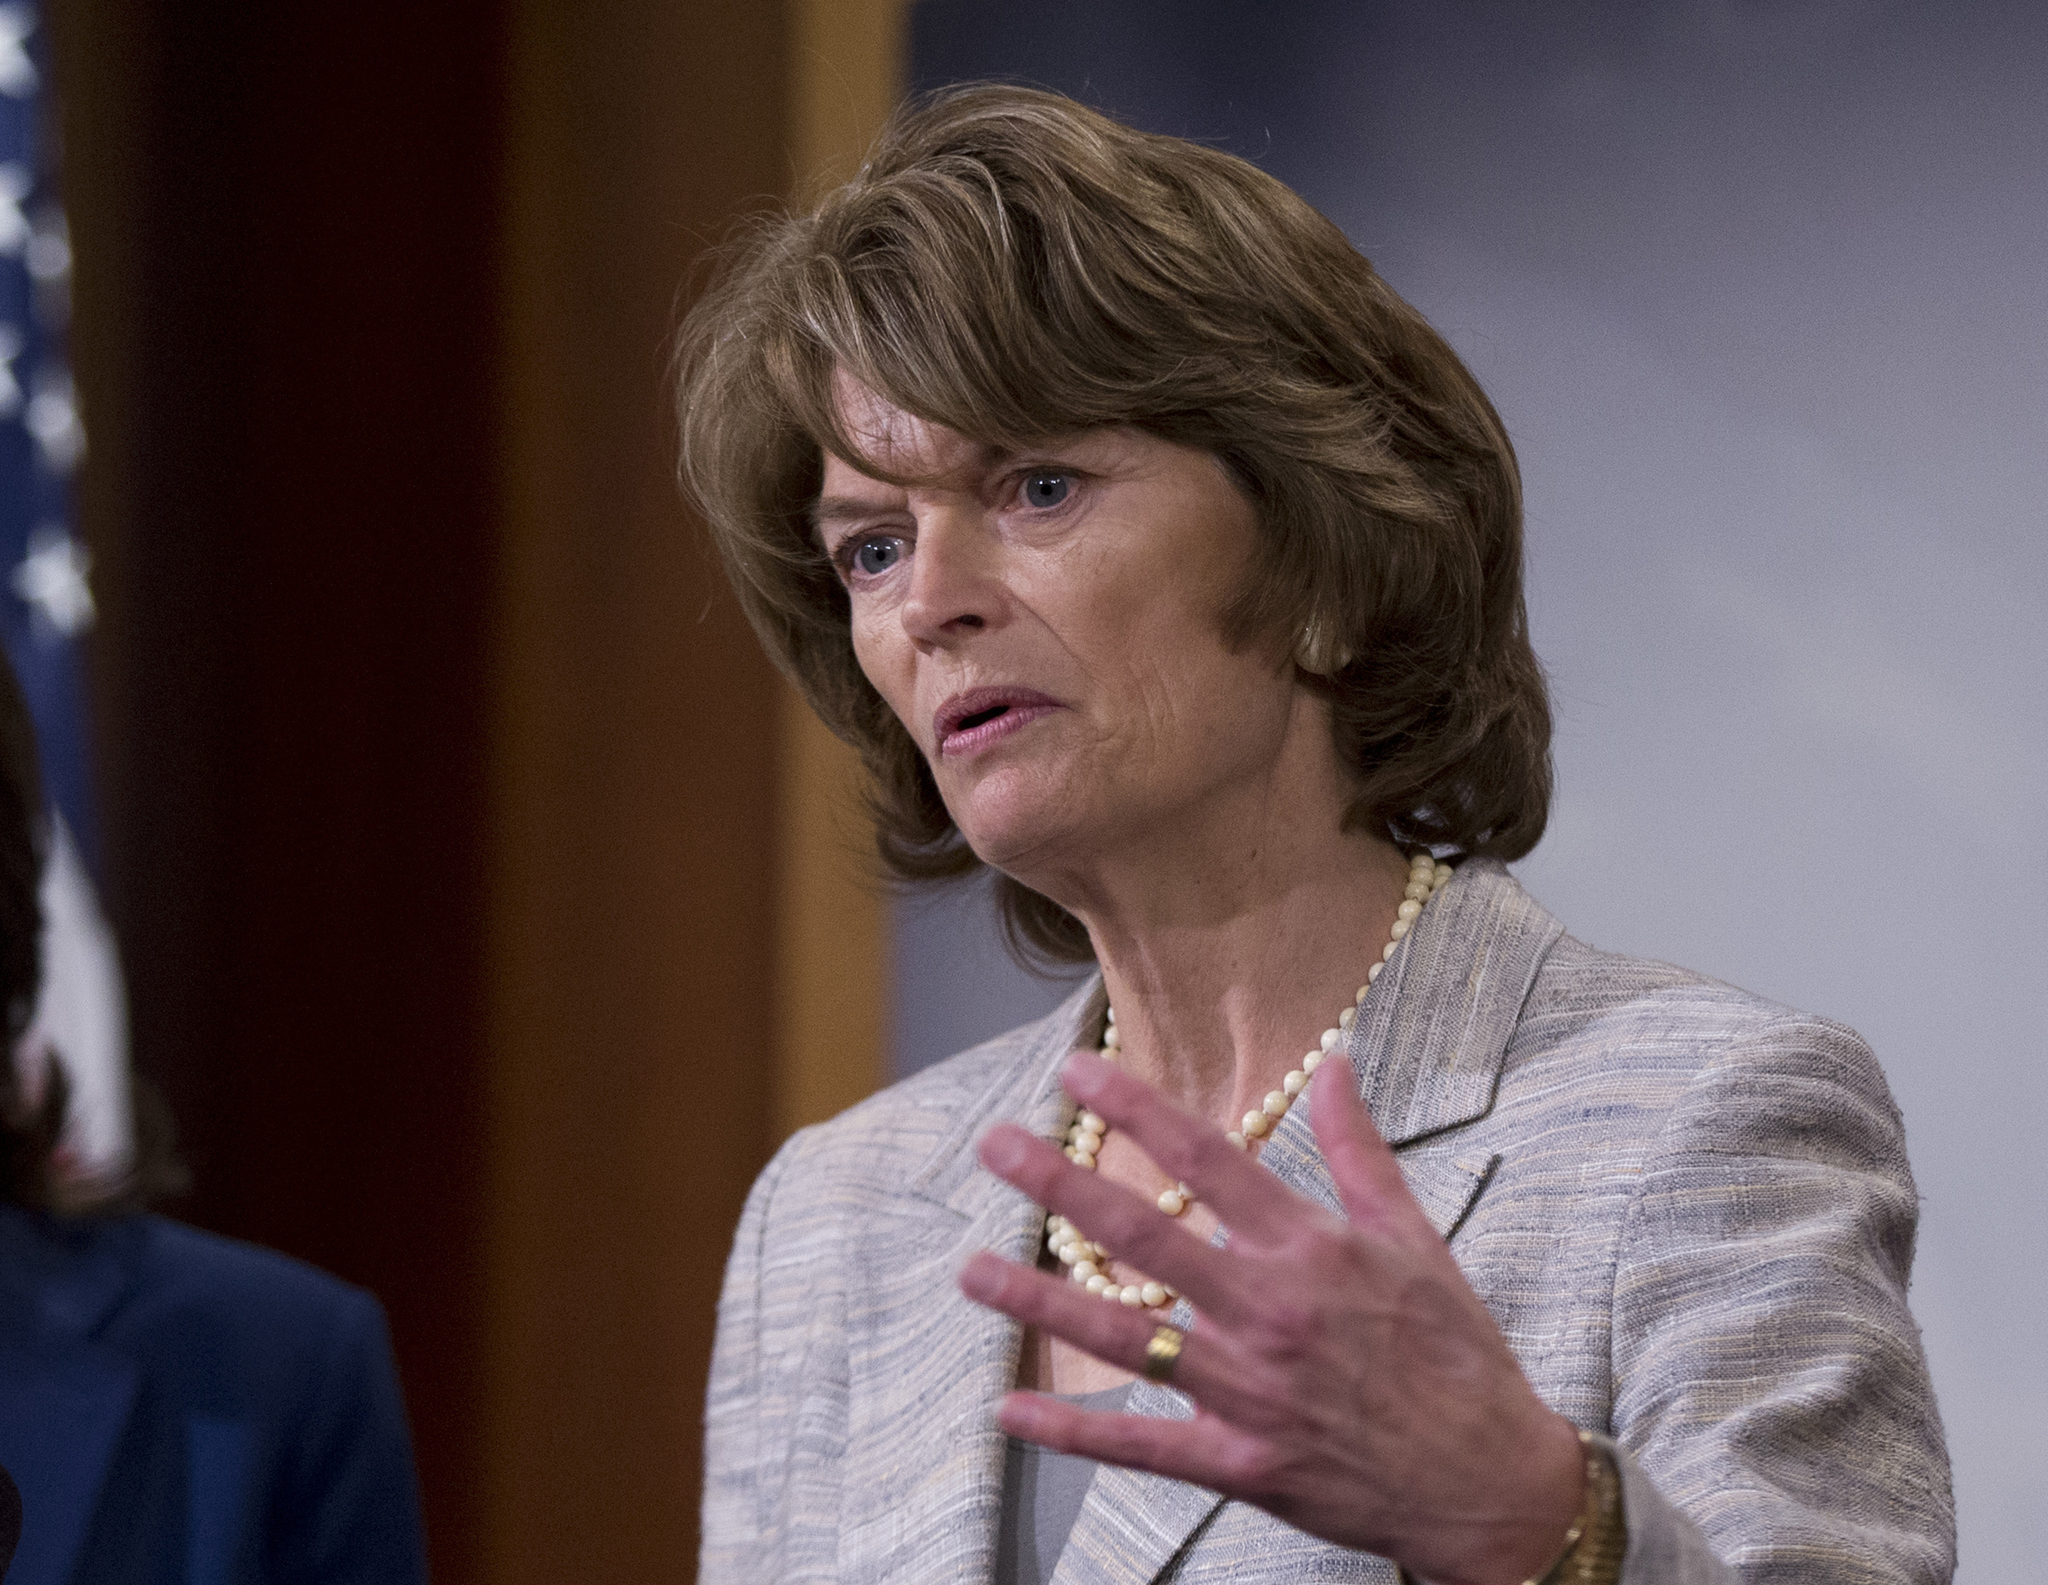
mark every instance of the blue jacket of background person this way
{"type": "Point", "coordinates": [182, 1409]}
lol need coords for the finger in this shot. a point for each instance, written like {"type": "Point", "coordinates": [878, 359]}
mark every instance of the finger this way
{"type": "Point", "coordinates": [1364, 1169]}
{"type": "Point", "coordinates": [1115, 1334]}
{"type": "Point", "coordinates": [1247, 1198]}
{"type": "Point", "coordinates": [1205, 1451]}
{"type": "Point", "coordinates": [1208, 1369]}
{"type": "Point", "coordinates": [1135, 1228]}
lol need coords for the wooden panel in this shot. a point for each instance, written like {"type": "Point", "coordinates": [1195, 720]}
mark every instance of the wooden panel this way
{"type": "Point", "coordinates": [846, 72]}
{"type": "Point", "coordinates": [633, 914]}
{"type": "Point", "coordinates": [832, 965]}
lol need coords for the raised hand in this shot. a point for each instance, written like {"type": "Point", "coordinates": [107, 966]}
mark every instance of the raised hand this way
{"type": "Point", "coordinates": [1345, 1376]}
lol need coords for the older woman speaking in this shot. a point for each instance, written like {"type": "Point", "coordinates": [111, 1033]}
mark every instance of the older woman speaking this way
{"type": "Point", "coordinates": [1154, 553]}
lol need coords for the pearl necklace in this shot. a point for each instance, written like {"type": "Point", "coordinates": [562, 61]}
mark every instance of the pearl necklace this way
{"type": "Point", "coordinates": [1087, 1262]}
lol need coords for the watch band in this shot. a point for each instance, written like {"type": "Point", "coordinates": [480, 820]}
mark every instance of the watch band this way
{"type": "Point", "coordinates": [1597, 1542]}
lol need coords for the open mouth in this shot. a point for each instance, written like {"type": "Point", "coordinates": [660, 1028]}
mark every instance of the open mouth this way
{"type": "Point", "coordinates": [970, 720]}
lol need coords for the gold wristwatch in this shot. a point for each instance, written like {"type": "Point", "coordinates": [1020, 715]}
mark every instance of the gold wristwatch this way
{"type": "Point", "coordinates": [1597, 1542]}
{"type": "Point", "coordinates": [1598, 1539]}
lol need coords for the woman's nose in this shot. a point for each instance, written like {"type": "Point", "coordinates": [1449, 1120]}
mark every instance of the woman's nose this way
{"type": "Point", "coordinates": [955, 580]}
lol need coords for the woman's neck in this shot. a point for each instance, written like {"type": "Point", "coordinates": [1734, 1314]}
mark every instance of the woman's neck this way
{"type": "Point", "coordinates": [1229, 943]}
{"type": "Point", "coordinates": [1214, 1009]}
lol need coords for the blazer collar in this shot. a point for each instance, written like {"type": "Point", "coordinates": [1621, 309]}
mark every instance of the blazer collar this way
{"type": "Point", "coordinates": [1030, 1094]}
{"type": "Point", "coordinates": [1428, 1045]}
{"type": "Point", "coordinates": [930, 1514]}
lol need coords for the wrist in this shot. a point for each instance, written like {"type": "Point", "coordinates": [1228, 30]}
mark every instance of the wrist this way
{"type": "Point", "coordinates": [1540, 1518]}
{"type": "Point", "coordinates": [1598, 1540]}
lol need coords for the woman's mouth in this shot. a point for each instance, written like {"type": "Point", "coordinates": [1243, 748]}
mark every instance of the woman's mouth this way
{"type": "Point", "coordinates": [969, 722]}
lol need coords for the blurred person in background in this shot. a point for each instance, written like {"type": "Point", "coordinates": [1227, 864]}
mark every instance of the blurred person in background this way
{"type": "Point", "coordinates": [1156, 554]}
{"type": "Point", "coordinates": [176, 1408]}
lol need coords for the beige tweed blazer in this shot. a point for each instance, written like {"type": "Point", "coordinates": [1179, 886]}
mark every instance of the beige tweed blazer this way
{"type": "Point", "coordinates": [1689, 1210]}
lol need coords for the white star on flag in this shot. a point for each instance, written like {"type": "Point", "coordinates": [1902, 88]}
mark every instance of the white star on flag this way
{"type": "Point", "coordinates": [52, 579]}
{"type": "Point", "coordinates": [53, 419]}
{"type": "Point", "coordinates": [14, 226]}
{"type": "Point", "coordinates": [17, 71]}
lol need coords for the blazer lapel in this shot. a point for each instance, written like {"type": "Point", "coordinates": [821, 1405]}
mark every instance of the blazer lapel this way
{"type": "Point", "coordinates": [933, 1514]}
{"type": "Point", "coordinates": [1429, 1041]}
{"type": "Point", "coordinates": [64, 1400]}
{"type": "Point", "coordinates": [1427, 1048]}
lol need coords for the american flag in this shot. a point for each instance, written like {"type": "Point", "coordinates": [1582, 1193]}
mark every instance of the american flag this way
{"type": "Point", "coordinates": [46, 608]}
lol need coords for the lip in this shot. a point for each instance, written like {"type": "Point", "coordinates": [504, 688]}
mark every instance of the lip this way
{"type": "Point", "coordinates": [1016, 708]}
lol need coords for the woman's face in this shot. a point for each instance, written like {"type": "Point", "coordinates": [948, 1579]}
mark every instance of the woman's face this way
{"type": "Point", "coordinates": [1047, 625]}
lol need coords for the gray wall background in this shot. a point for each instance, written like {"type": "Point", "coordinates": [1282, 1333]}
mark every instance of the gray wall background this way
{"type": "Point", "coordinates": [1759, 290]}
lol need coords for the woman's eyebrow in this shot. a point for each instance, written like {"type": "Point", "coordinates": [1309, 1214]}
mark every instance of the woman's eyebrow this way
{"type": "Point", "coordinates": [830, 509]}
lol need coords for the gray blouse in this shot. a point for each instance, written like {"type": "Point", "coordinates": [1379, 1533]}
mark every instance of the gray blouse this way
{"type": "Point", "coordinates": [1042, 1496]}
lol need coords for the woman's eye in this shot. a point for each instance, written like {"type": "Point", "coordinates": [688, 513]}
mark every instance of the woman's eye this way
{"type": "Point", "coordinates": [1045, 490]}
{"type": "Point", "coordinates": [873, 557]}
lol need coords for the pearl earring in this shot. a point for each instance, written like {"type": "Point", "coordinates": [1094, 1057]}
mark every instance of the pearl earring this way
{"type": "Point", "coordinates": [1318, 650]}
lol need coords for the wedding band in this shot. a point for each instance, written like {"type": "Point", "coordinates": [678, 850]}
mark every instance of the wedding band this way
{"type": "Point", "coordinates": [1163, 1353]}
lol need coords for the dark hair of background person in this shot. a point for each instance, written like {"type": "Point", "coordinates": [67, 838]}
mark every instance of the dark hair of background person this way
{"type": "Point", "coordinates": [1015, 266]}
{"type": "Point", "coordinates": [32, 1172]}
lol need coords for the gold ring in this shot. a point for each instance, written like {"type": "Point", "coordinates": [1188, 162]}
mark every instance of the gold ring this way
{"type": "Point", "coordinates": [1162, 1354]}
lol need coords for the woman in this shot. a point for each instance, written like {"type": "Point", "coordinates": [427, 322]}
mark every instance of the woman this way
{"type": "Point", "coordinates": [1154, 553]}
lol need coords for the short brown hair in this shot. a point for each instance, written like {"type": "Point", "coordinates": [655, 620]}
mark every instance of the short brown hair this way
{"type": "Point", "coordinates": [1015, 266]}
